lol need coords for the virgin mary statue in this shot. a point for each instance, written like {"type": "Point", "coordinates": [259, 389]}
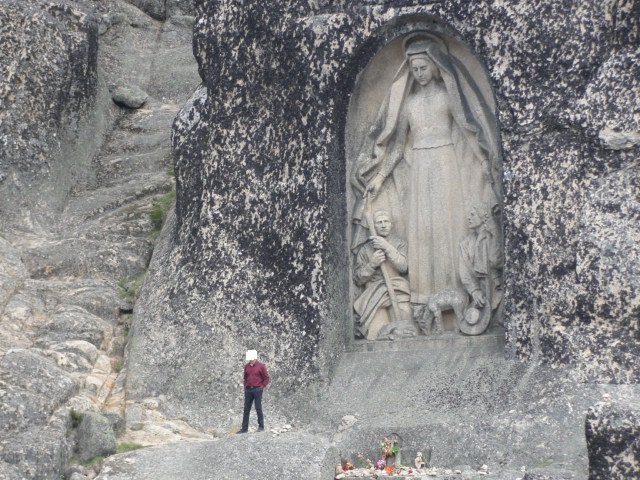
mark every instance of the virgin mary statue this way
{"type": "Point", "coordinates": [430, 156]}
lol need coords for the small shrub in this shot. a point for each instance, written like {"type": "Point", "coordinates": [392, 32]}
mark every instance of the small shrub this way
{"type": "Point", "coordinates": [76, 418]}
{"type": "Point", "coordinates": [128, 446]}
{"type": "Point", "coordinates": [130, 289]}
{"type": "Point", "coordinates": [160, 209]}
{"type": "Point", "coordinates": [92, 462]}
{"type": "Point", "coordinates": [118, 364]}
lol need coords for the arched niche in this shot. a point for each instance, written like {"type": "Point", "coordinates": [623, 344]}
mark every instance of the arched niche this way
{"type": "Point", "coordinates": [435, 148]}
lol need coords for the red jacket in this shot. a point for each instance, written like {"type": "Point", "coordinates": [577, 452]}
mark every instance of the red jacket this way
{"type": "Point", "coordinates": [256, 375]}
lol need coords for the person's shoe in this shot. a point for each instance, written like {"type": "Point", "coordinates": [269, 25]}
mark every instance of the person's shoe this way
{"type": "Point", "coordinates": [260, 429]}
{"type": "Point", "coordinates": [242, 431]}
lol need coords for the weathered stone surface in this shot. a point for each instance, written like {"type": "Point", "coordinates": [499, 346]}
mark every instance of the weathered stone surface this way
{"type": "Point", "coordinates": [99, 297]}
{"type": "Point", "coordinates": [65, 321]}
{"type": "Point", "coordinates": [73, 323]}
{"type": "Point", "coordinates": [48, 59]}
{"type": "Point", "coordinates": [153, 8]}
{"type": "Point", "coordinates": [118, 423]}
{"type": "Point", "coordinates": [180, 7]}
{"type": "Point", "coordinates": [549, 475]}
{"type": "Point", "coordinates": [39, 452]}
{"type": "Point", "coordinates": [110, 258]}
{"type": "Point", "coordinates": [613, 440]}
{"type": "Point", "coordinates": [78, 476]}
{"type": "Point", "coordinates": [130, 96]}
{"type": "Point", "coordinates": [295, 455]}
{"type": "Point", "coordinates": [257, 256]}
{"type": "Point", "coordinates": [461, 399]}
{"type": "Point", "coordinates": [95, 437]}
{"type": "Point", "coordinates": [32, 388]}
{"type": "Point", "coordinates": [12, 271]}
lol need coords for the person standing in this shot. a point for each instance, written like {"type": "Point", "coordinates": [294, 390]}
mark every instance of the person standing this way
{"type": "Point", "coordinates": [256, 379]}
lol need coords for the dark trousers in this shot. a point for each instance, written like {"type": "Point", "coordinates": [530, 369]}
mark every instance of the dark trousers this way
{"type": "Point", "coordinates": [251, 395]}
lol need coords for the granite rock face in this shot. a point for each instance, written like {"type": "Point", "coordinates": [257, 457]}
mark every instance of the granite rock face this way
{"type": "Point", "coordinates": [613, 440]}
{"type": "Point", "coordinates": [298, 455]}
{"type": "Point", "coordinates": [81, 175]}
{"type": "Point", "coordinates": [153, 8]}
{"type": "Point", "coordinates": [48, 60]}
{"type": "Point", "coordinates": [257, 258]}
{"type": "Point", "coordinates": [33, 420]}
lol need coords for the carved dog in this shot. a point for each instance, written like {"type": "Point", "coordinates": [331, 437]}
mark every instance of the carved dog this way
{"type": "Point", "coordinates": [454, 299]}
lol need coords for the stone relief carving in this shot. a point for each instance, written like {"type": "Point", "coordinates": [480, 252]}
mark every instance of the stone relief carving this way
{"type": "Point", "coordinates": [381, 265]}
{"type": "Point", "coordinates": [430, 159]}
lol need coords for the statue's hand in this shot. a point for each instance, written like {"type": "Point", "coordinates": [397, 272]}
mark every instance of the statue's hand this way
{"type": "Point", "coordinates": [381, 244]}
{"type": "Point", "coordinates": [378, 258]}
{"type": "Point", "coordinates": [478, 298]}
{"type": "Point", "coordinates": [373, 187]}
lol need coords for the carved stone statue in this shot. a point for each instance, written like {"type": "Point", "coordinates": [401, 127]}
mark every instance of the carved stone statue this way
{"type": "Point", "coordinates": [374, 303]}
{"type": "Point", "coordinates": [480, 270]}
{"type": "Point", "coordinates": [436, 128]}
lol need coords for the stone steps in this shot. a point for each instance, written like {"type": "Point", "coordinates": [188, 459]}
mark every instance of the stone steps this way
{"type": "Point", "coordinates": [113, 169]}
{"type": "Point", "coordinates": [97, 202]}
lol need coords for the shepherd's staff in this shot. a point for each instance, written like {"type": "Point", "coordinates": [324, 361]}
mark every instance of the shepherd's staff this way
{"type": "Point", "coordinates": [384, 268]}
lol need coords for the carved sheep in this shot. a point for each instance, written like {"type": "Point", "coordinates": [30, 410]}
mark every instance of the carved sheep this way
{"type": "Point", "coordinates": [454, 299]}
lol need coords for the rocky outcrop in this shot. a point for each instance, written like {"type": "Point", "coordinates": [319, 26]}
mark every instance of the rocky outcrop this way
{"type": "Point", "coordinates": [300, 455]}
{"type": "Point", "coordinates": [613, 440]}
{"type": "Point", "coordinates": [257, 258]}
{"type": "Point", "coordinates": [77, 232]}
{"type": "Point", "coordinates": [95, 437]}
{"type": "Point", "coordinates": [49, 82]}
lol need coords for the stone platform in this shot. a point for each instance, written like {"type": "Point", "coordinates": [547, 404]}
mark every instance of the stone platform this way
{"type": "Point", "coordinates": [460, 397]}
{"type": "Point", "coordinates": [297, 455]}
{"type": "Point", "coordinates": [491, 341]}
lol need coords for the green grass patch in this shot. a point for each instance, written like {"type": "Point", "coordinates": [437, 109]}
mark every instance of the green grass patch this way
{"type": "Point", "coordinates": [128, 446]}
{"type": "Point", "coordinates": [118, 365]}
{"type": "Point", "coordinates": [160, 209]}
{"type": "Point", "coordinates": [92, 462]}
{"type": "Point", "coordinates": [76, 418]}
{"type": "Point", "coordinates": [129, 289]}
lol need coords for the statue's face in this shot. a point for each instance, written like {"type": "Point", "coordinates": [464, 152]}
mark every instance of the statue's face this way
{"type": "Point", "coordinates": [423, 70]}
{"type": "Point", "coordinates": [474, 220]}
{"type": "Point", "coordinates": [383, 225]}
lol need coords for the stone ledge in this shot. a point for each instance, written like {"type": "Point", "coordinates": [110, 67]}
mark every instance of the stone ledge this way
{"type": "Point", "coordinates": [492, 338]}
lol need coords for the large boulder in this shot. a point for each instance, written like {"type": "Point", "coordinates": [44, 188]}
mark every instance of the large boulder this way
{"type": "Point", "coordinates": [34, 440]}
{"type": "Point", "coordinates": [95, 437]}
{"type": "Point", "coordinates": [256, 256]}
{"type": "Point", "coordinates": [33, 387]}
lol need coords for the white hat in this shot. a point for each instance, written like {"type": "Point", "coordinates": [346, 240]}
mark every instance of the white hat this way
{"type": "Point", "coordinates": [252, 355]}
